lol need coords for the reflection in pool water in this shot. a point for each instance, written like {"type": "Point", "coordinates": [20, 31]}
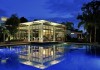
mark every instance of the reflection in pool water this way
{"type": "Point", "coordinates": [50, 57]}
{"type": "Point", "coordinates": [41, 56]}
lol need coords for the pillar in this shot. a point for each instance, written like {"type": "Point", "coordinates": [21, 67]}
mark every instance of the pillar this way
{"type": "Point", "coordinates": [29, 52]}
{"type": "Point", "coordinates": [54, 52]}
{"type": "Point", "coordinates": [28, 33]}
{"type": "Point", "coordinates": [41, 54]}
{"type": "Point", "coordinates": [54, 34]}
{"type": "Point", "coordinates": [41, 33]}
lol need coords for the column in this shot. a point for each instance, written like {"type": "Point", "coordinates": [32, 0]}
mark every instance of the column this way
{"type": "Point", "coordinates": [29, 52]}
{"type": "Point", "coordinates": [41, 33]}
{"type": "Point", "coordinates": [29, 55]}
{"type": "Point", "coordinates": [41, 54]}
{"type": "Point", "coordinates": [53, 33]}
{"type": "Point", "coordinates": [28, 33]}
{"type": "Point", "coordinates": [54, 52]}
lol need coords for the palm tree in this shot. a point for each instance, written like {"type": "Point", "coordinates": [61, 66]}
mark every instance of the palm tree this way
{"type": "Point", "coordinates": [95, 5]}
{"type": "Point", "coordinates": [90, 16]}
{"type": "Point", "coordinates": [85, 22]}
{"type": "Point", "coordinates": [4, 32]}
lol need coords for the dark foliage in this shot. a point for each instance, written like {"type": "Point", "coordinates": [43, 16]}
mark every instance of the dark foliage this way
{"type": "Point", "coordinates": [23, 19]}
{"type": "Point", "coordinates": [12, 24]}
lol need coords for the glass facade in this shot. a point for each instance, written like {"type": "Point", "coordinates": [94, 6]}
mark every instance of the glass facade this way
{"type": "Point", "coordinates": [41, 31]}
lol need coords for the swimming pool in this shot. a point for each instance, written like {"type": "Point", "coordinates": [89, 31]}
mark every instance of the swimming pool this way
{"type": "Point", "coordinates": [50, 57]}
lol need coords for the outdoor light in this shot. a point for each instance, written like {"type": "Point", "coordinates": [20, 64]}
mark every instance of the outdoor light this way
{"type": "Point", "coordinates": [4, 19]}
{"type": "Point", "coordinates": [4, 60]}
{"type": "Point", "coordinates": [44, 30]}
{"type": "Point", "coordinates": [65, 43]}
{"type": "Point", "coordinates": [72, 33]}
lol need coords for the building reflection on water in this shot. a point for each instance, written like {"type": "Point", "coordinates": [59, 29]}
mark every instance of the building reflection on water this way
{"type": "Point", "coordinates": [41, 56]}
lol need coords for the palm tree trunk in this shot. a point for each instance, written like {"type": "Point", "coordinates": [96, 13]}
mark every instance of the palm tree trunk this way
{"type": "Point", "coordinates": [4, 37]}
{"type": "Point", "coordinates": [95, 34]}
{"type": "Point", "coordinates": [90, 36]}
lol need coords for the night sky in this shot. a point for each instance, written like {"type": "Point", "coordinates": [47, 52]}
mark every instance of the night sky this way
{"type": "Point", "coordinates": [52, 10]}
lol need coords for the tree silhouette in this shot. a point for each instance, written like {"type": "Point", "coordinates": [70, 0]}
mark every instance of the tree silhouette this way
{"type": "Point", "coordinates": [90, 17]}
{"type": "Point", "coordinates": [69, 25]}
{"type": "Point", "coordinates": [4, 33]}
{"type": "Point", "coordinates": [23, 19]}
{"type": "Point", "coordinates": [12, 24]}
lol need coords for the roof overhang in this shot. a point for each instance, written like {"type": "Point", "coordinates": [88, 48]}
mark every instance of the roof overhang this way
{"type": "Point", "coordinates": [41, 22]}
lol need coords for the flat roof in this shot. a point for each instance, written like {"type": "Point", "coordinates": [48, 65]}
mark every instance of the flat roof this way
{"type": "Point", "coordinates": [40, 22]}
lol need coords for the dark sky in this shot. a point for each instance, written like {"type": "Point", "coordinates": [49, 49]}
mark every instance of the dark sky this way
{"type": "Point", "coordinates": [53, 10]}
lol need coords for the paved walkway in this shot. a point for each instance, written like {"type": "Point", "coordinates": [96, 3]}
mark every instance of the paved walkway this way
{"type": "Point", "coordinates": [12, 43]}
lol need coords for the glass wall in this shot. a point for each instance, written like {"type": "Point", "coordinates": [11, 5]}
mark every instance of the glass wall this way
{"type": "Point", "coordinates": [35, 32]}
{"type": "Point", "coordinates": [22, 33]}
{"type": "Point", "coordinates": [41, 32]}
{"type": "Point", "coordinates": [59, 34]}
{"type": "Point", "coordinates": [47, 33]}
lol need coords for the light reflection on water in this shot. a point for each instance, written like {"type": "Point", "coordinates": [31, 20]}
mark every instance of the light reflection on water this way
{"type": "Point", "coordinates": [44, 56]}
{"type": "Point", "coordinates": [40, 56]}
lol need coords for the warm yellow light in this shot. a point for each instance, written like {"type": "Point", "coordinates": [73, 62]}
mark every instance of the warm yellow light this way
{"type": "Point", "coordinates": [27, 63]}
{"type": "Point", "coordinates": [44, 52]}
{"type": "Point", "coordinates": [72, 33]}
{"type": "Point", "coordinates": [55, 62]}
{"type": "Point", "coordinates": [44, 30]}
{"type": "Point", "coordinates": [27, 23]}
{"type": "Point", "coordinates": [41, 22]}
{"type": "Point", "coordinates": [3, 18]}
{"type": "Point", "coordinates": [40, 66]}
{"type": "Point", "coordinates": [52, 53]}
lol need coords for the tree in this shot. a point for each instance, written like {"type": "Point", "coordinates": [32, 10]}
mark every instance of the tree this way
{"type": "Point", "coordinates": [12, 24]}
{"type": "Point", "coordinates": [85, 22]}
{"type": "Point", "coordinates": [90, 17]}
{"type": "Point", "coordinates": [23, 19]}
{"type": "Point", "coordinates": [4, 32]}
{"type": "Point", "coordinates": [69, 25]}
{"type": "Point", "coordinates": [1, 33]}
{"type": "Point", "coordinates": [93, 9]}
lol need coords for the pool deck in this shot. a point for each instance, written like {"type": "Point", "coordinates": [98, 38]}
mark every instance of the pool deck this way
{"type": "Point", "coordinates": [94, 44]}
{"type": "Point", "coordinates": [40, 43]}
{"type": "Point", "coordinates": [25, 43]}
{"type": "Point", "coordinates": [13, 43]}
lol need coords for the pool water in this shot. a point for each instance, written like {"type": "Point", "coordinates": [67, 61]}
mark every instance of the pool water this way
{"type": "Point", "coordinates": [50, 57]}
